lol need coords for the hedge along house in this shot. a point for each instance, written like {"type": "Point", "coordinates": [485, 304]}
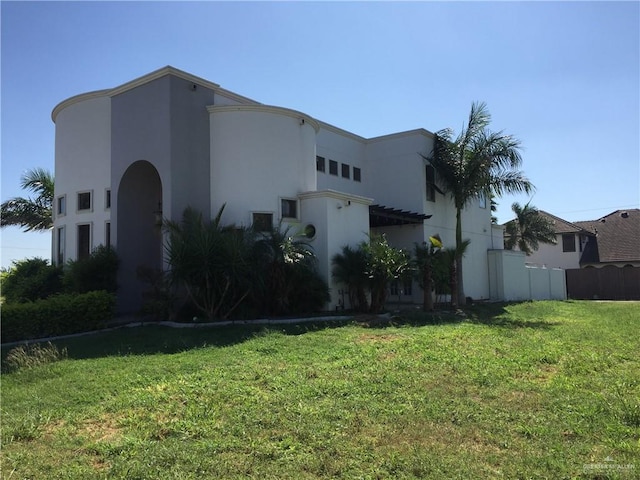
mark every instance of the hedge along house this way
{"type": "Point", "coordinates": [127, 157]}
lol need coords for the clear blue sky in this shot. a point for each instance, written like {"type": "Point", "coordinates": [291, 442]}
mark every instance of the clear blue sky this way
{"type": "Point", "coordinates": [561, 76]}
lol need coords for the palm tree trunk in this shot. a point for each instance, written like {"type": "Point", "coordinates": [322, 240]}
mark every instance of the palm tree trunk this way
{"type": "Point", "coordinates": [460, 284]}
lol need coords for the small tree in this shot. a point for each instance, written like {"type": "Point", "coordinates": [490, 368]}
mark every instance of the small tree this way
{"type": "Point", "coordinates": [425, 257]}
{"type": "Point", "coordinates": [528, 229]}
{"type": "Point", "coordinates": [450, 257]}
{"type": "Point", "coordinates": [211, 261]}
{"type": "Point", "coordinates": [350, 269]}
{"type": "Point", "coordinates": [31, 279]}
{"type": "Point", "coordinates": [384, 263]}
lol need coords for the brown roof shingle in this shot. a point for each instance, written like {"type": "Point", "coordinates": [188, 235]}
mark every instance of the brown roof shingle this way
{"type": "Point", "coordinates": [618, 235]}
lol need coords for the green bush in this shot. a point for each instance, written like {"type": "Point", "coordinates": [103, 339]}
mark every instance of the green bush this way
{"type": "Point", "coordinates": [98, 271]}
{"type": "Point", "coordinates": [56, 315]}
{"type": "Point", "coordinates": [31, 279]}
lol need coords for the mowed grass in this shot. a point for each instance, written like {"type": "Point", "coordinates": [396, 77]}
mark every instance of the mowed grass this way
{"type": "Point", "coordinates": [530, 390]}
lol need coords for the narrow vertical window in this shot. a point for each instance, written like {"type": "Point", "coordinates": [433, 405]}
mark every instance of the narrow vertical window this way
{"type": "Point", "coordinates": [107, 198]}
{"type": "Point", "coordinates": [346, 170]}
{"type": "Point", "coordinates": [407, 287]}
{"type": "Point", "coordinates": [320, 164]}
{"type": "Point", "coordinates": [333, 167]}
{"type": "Point", "coordinates": [84, 241]}
{"type": "Point", "coordinates": [431, 183]}
{"type": "Point", "coordinates": [60, 245]}
{"type": "Point", "coordinates": [356, 174]}
{"type": "Point", "coordinates": [482, 200]}
{"type": "Point", "coordinates": [107, 234]}
{"type": "Point", "coordinates": [61, 206]}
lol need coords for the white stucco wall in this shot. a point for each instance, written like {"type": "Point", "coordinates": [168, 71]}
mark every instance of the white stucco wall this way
{"type": "Point", "coordinates": [552, 256]}
{"type": "Point", "coordinates": [259, 155]}
{"type": "Point", "coordinates": [83, 163]}
{"type": "Point", "coordinates": [343, 148]}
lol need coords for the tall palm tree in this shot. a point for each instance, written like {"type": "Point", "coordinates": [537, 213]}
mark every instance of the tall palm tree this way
{"type": "Point", "coordinates": [31, 214]}
{"type": "Point", "coordinates": [478, 162]}
{"type": "Point", "coordinates": [528, 229]}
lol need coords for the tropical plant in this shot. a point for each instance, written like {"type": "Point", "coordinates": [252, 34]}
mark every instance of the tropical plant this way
{"type": "Point", "coordinates": [384, 263]}
{"type": "Point", "coordinates": [211, 261]}
{"type": "Point", "coordinates": [350, 269]}
{"type": "Point", "coordinates": [528, 229]}
{"type": "Point", "coordinates": [478, 162]}
{"type": "Point", "coordinates": [425, 256]}
{"type": "Point", "coordinates": [286, 258]}
{"type": "Point", "coordinates": [31, 214]}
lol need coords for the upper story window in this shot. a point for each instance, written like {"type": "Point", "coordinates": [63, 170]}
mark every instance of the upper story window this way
{"type": "Point", "coordinates": [333, 167]}
{"type": "Point", "coordinates": [107, 198]}
{"type": "Point", "coordinates": [568, 242]}
{"type": "Point", "coordinates": [84, 201]}
{"type": "Point", "coordinates": [61, 206]}
{"type": "Point", "coordinates": [346, 171]}
{"type": "Point", "coordinates": [320, 164]}
{"type": "Point", "coordinates": [356, 174]}
{"type": "Point", "coordinates": [289, 208]}
{"type": "Point", "coordinates": [431, 183]}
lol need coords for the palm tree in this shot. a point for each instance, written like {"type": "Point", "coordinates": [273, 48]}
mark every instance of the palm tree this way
{"type": "Point", "coordinates": [31, 214]}
{"type": "Point", "coordinates": [450, 258]}
{"type": "Point", "coordinates": [350, 269]}
{"type": "Point", "coordinates": [425, 258]}
{"type": "Point", "coordinates": [478, 162]}
{"type": "Point", "coordinates": [528, 229]}
{"type": "Point", "coordinates": [211, 261]}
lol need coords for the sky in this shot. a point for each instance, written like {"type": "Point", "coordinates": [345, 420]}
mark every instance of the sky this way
{"type": "Point", "coordinates": [562, 77]}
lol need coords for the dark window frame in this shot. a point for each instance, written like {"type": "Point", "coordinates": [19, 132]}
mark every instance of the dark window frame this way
{"type": "Point", "coordinates": [430, 183]}
{"type": "Point", "coordinates": [83, 245]}
{"type": "Point", "coordinates": [262, 221]}
{"type": "Point", "coordinates": [289, 208]}
{"type": "Point", "coordinates": [357, 174]}
{"type": "Point", "coordinates": [333, 167]}
{"type": "Point", "coordinates": [568, 242]}
{"type": "Point", "coordinates": [320, 164]}
{"type": "Point", "coordinates": [346, 171]}
{"type": "Point", "coordinates": [84, 201]}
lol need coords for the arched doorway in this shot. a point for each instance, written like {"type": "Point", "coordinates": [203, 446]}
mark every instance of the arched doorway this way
{"type": "Point", "coordinates": [139, 231]}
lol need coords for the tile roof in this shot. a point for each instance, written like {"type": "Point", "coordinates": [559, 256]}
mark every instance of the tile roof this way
{"type": "Point", "coordinates": [618, 237]}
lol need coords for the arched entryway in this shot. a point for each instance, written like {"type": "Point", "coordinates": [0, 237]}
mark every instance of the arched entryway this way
{"type": "Point", "coordinates": [139, 231]}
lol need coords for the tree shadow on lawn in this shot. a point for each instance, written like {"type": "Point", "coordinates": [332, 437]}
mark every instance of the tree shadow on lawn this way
{"type": "Point", "coordinates": [157, 339]}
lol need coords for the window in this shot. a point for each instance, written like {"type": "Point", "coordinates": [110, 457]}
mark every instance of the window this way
{"type": "Point", "coordinates": [320, 164]}
{"type": "Point", "coordinates": [431, 183]}
{"type": "Point", "coordinates": [568, 242]}
{"type": "Point", "coordinates": [346, 171]}
{"type": "Point", "coordinates": [60, 245]}
{"type": "Point", "coordinates": [107, 198]}
{"type": "Point", "coordinates": [84, 241]}
{"type": "Point", "coordinates": [262, 222]}
{"type": "Point", "coordinates": [84, 201]}
{"type": "Point", "coordinates": [333, 167]}
{"type": "Point", "coordinates": [288, 208]}
{"type": "Point", "coordinates": [393, 288]}
{"type": "Point", "coordinates": [356, 174]}
{"type": "Point", "coordinates": [61, 206]}
{"type": "Point", "coordinates": [482, 201]}
{"type": "Point", "coordinates": [107, 234]}
{"type": "Point", "coordinates": [407, 287]}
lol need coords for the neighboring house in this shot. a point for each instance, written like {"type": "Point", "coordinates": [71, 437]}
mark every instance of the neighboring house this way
{"type": "Point", "coordinates": [617, 240]}
{"type": "Point", "coordinates": [571, 242]}
{"type": "Point", "coordinates": [129, 156]}
{"type": "Point", "coordinates": [611, 240]}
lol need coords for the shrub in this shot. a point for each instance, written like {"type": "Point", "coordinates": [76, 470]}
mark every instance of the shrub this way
{"type": "Point", "coordinates": [56, 315]}
{"type": "Point", "coordinates": [30, 356]}
{"type": "Point", "coordinates": [31, 279]}
{"type": "Point", "coordinates": [99, 271]}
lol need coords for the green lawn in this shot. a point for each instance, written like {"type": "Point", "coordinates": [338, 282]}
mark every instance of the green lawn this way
{"type": "Point", "coordinates": [531, 390]}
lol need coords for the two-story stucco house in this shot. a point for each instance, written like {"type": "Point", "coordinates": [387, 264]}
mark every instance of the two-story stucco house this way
{"type": "Point", "coordinates": [128, 156]}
